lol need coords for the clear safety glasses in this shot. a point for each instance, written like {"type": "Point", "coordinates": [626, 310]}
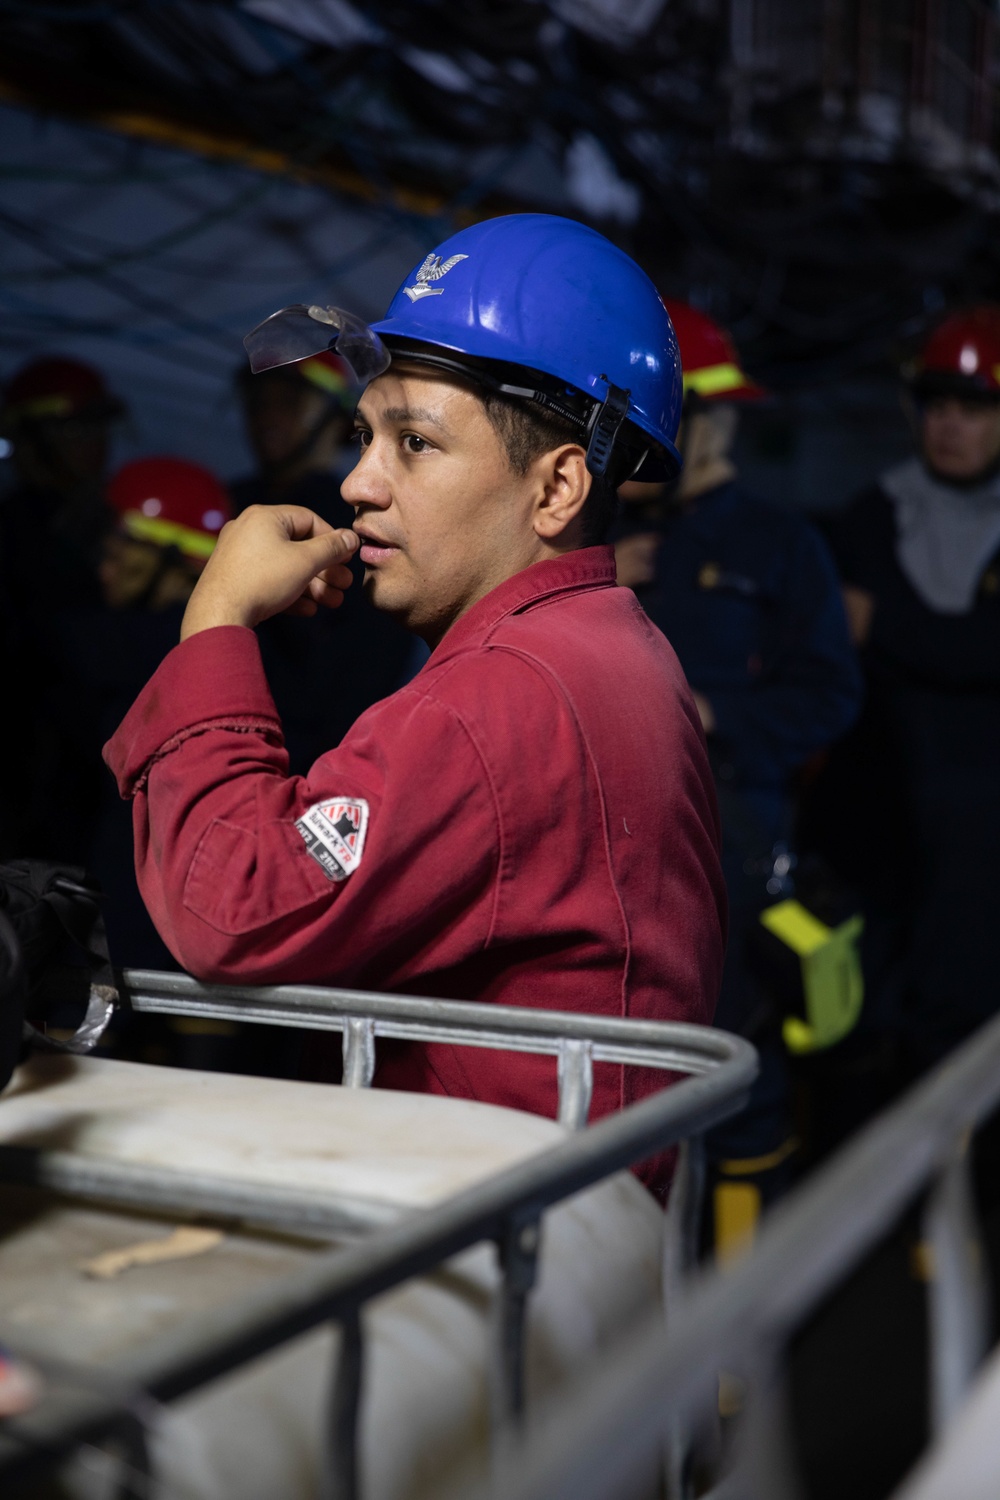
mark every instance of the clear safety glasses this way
{"type": "Point", "coordinates": [298, 331]}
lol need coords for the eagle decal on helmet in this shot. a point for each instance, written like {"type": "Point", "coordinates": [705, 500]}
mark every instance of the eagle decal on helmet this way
{"type": "Point", "coordinates": [431, 270]}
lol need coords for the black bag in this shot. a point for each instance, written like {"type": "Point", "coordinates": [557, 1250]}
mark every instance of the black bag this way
{"type": "Point", "coordinates": [54, 965]}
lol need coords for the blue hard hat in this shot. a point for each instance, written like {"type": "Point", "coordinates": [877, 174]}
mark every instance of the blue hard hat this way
{"type": "Point", "coordinates": [539, 307]}
{"type": "Point", "coordinates": [548, 294]}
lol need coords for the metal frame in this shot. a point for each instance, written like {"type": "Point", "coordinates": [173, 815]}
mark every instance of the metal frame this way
{"type": "Point", "coordinates": [740, 1319]}
{"type": "Point", "coordinates": [335, 1285]}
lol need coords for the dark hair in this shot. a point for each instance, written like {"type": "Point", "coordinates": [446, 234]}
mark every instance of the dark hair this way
{"type": "Point", "coordinates": [528, 431]}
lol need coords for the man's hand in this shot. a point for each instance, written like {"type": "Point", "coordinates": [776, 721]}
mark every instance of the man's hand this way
{"type": "Point", "coordinates": [270, 559]}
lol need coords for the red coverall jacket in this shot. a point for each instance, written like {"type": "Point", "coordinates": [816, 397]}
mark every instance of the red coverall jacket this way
{"type": "Point", "coordinates": [530, 821]}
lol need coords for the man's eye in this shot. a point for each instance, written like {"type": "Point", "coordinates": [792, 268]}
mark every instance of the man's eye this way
{"type": "Point", "coordinates": [361, 436]}
{"type": "Point", "coordinates": [414, 444]}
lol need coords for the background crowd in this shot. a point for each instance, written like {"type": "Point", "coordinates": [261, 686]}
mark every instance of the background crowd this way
{"type": "Point", "coordinates": [846, 670]}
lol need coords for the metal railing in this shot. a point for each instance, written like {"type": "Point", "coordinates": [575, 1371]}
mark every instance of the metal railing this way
{"type": "Point", "coordinates": [739, 1320]}
{"type": "Point", "coordinates": [335, 1285]}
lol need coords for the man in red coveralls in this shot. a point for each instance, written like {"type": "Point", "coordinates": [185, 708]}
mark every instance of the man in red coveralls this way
{"type": "Point", "coordinates": [531, 820]}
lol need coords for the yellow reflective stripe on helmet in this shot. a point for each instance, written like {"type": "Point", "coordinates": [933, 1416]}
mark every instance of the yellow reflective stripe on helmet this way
{"type": "Point", "coordinates": [713, 380]}
{"type": "Point", "coordinates": [328, 380]}
{"type": "Point", "coordinates": [168, 534]}
{"type": "Point", "coordinates": [42, 406]}
{"type": "Point", "coordinates": [796, 927]}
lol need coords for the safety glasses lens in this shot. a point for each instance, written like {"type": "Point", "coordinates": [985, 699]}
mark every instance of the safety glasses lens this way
{"type": "Point", "coordinates": [296, 332]}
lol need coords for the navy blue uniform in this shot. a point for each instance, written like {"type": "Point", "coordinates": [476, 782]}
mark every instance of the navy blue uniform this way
{"type": "Point", "coordinates": [748, 596]}
{"type": "Point", "coordinates": [912, 797]}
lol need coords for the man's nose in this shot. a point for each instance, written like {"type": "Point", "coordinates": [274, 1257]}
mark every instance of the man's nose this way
{"type": "Point", "coordinates": [365, 484]}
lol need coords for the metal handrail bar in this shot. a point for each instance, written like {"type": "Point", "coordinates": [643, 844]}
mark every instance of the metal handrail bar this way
{"type": "Point", "coordinates": [577, 1040]}
{"type": "Point", "coordinates": [735, 1318]}
{"type": "Point", "coordinates": [676, 1045]}
{"type": "Point", "coordinates": [506, 1209]}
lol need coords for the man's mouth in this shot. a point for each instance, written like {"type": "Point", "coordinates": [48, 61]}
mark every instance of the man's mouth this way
{"type": "Point", "coordinates": [374, 549]}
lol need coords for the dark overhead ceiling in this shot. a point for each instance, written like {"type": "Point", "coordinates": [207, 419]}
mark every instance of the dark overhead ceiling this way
{"type": "Point", "coordinates": [816, 175]}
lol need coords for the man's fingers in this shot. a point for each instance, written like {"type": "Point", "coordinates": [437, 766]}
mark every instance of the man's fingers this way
{"type": "Point", "coordinates": [299, 525]}
{"type": "Point", "coordinates": [264, 563]}
{"type": "Point", "coordinates": [303, 606]}
{"type": "Point", "coordinates": [298, 522]}
{"type": "Point", "coordinates": [316, 593]}
{"type": "Point", "coordinates": [339, 576]}
{"type": "Point", "coordinates": [323, 593]}
{"type": "Point", "coordinates": [332, 547]}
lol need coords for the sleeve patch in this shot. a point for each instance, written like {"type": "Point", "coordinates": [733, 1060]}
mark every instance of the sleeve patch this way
{"type": "Point", "coordinates": [334, 833]}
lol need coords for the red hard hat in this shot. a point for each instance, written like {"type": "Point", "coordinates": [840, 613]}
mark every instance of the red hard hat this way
{"type": "Point", "coordinates": [961, 356]}
{"type": "Point", "coordinates": [57, 387]}
{"type": "Point", "coordinates": [709, 360]}
{"type": "Point", "coordinates": [332, 375]}
{"type": "Point", "coordinates": [171, 503]}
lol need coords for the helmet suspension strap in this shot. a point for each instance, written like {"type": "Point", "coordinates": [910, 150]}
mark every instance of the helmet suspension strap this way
{"type": "Point", "coordinates": [603, 427]}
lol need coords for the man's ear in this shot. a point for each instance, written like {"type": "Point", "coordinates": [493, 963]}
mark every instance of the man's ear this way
{"type": "Point", "coordinates": [564, 484]}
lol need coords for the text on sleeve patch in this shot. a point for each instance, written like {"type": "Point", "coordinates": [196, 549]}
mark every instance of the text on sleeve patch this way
{"type": "Point", "coordinates": [334, 832]}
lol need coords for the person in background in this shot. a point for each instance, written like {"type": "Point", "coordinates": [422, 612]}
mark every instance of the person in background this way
{"type": "Point", "coordinates": [57, 414]}
{"type": "Point", "coordinates": [167, 513]}
{"type": "Point", "coordinates": [746, 593]}
{"type": "Point", "coordinates": [910, 804]}
{"type": "Point", "coordinates": [323, 673]}
{"type": "Point", "coordinates": [298, 420]}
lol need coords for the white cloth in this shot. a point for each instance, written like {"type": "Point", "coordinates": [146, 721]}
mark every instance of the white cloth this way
{"type": "Point", "coordinates": [945, 534]}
